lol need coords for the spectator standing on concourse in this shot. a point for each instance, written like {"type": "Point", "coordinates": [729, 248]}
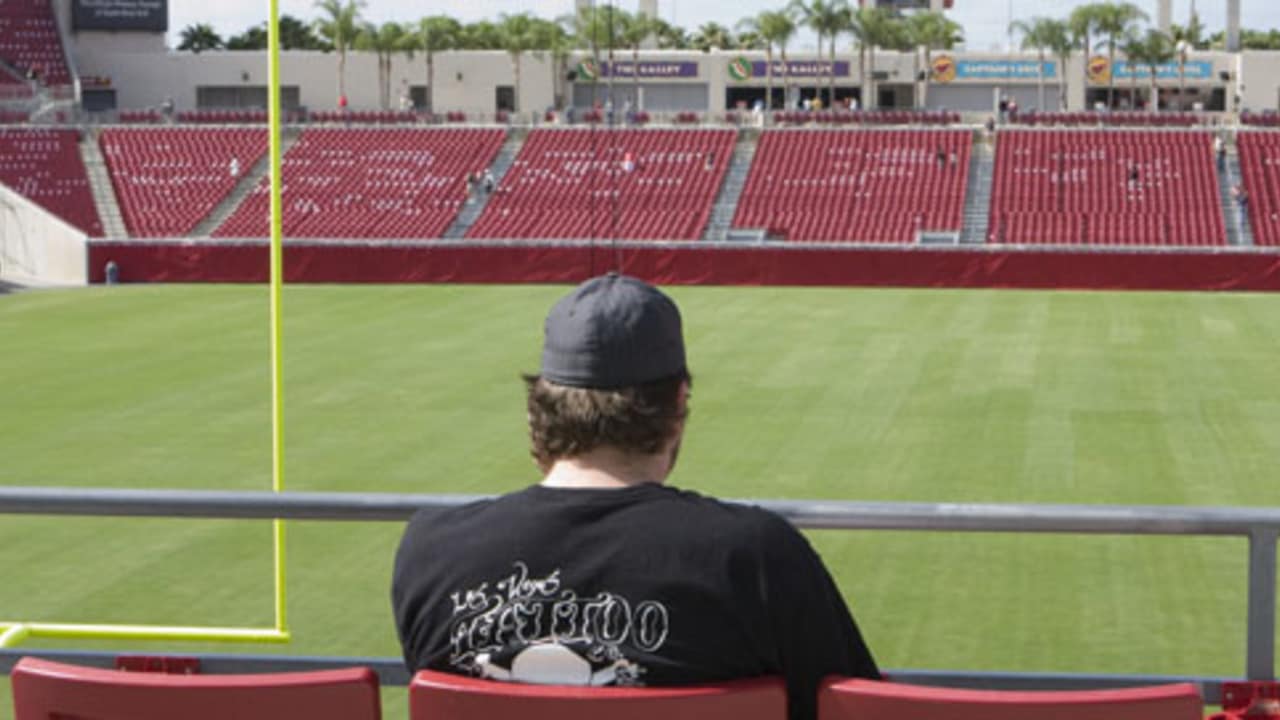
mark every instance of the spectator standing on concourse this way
{"type": "Point", "coordinates": [602, 574]}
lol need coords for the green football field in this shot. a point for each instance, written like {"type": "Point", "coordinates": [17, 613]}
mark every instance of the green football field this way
{"type": "Point", "coordinates": [897, 395]}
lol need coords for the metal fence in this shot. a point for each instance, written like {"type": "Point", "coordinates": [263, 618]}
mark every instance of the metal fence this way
{"type": "Point", "coordinates": [1261, 526]}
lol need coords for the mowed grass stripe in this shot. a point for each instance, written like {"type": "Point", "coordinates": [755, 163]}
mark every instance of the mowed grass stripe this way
{"type": "Point", "coordinates": [956, 396]}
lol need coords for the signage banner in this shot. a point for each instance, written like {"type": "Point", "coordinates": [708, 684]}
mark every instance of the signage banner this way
{"type": "Point", "coordinates": [588, 70]}
{"type": "Point", "coordinates": [800, 69]}
{"type": "Point", "coordinates": [1005, 70]}
{"type": "Point", "coordinates": [1101, 72]}
{"type": "Point", "coordinates": [144, 15]}
{"type": "Point", "coordinates": [1194, 70]}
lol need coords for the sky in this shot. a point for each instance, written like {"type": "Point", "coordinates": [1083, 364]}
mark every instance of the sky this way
{"type": "Point", "coordinates": [985, 21]}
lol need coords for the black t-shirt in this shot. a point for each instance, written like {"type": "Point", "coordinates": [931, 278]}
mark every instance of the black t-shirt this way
{"type": "Point", "coordinates": [644, 585]}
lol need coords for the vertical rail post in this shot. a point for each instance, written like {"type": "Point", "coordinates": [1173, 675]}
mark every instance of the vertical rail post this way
{"type": "Point", "coordinates": [1260, 662]}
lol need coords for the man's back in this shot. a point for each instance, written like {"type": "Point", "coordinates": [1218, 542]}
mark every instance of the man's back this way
{"type": "Point", "coordinates": [644, 585]}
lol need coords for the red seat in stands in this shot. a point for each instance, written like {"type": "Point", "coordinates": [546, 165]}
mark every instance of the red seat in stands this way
{"type": "Point", "coordinates": [855, 699]}
{"type": "Point", "coordinates": [44, 690]}
{"type": "Point", "coordinates": [440, 696]}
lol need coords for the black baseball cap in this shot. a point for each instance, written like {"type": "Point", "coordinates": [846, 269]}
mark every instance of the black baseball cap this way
{"type": "Point", "coordinates": [611, 332]}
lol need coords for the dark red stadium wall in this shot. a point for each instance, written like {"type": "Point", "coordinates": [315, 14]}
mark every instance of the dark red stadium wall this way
{"type": "Point", "coordinates": [887, 267]}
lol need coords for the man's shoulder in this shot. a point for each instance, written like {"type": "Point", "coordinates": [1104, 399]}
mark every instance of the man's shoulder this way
{"type": "Point", "coordinates": [726, 516]}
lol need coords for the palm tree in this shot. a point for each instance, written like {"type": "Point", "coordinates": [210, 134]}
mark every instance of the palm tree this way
{"type": "Point", "coordinates": [481, 35]}
{"type": "Point", "coordinates": [559, 42]}
{"type": "Point", "coordinates": [670, 37]}
{"type": "Point", "coordinates": [599, 26]}
{"type": "Point", "coordinates": [932, 31]}
{"type": "Point", "coordinates": [1083, 24]}
{"type": "Point", "coordinates": [518, 37]}
{"type": "Point", "coordinates": [1152, 50]}
{"type": "Point", "coordinates": [774, 28]}
{"type": "Point", "coordinates": [1131, 46]}
{"type": "Point", "coordinates": [1185, 39]}
{"type": "Point", "coordinates": [1060, 40]}
{"type": "Point", "coordinates": [1039, 34]}
{"type": "Point", "coordinates": [339, 27]}
{"type": "Point", "coordinates": [827, 18]}
{"type": "Point", "coordinates": [436, 33]}
{"type": "Point", "coordinates": [635, 30]}
{"type": "Point", "coordinates": [1116, 21]}
{"type": "Point", "coordinates": [384, 41]}
{"type": "Point", "coordinates": [200, 37]}
{"type": "Point", "coordinates": [712, 34]}
{"type": "Point", "coordinates": [875, 27]}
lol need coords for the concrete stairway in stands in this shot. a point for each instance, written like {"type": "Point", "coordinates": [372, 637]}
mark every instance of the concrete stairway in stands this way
{"type": "Point", "coordinates": [977, 202]}
{"type": "Point", "coordinates": [722, 212]}
{"type": "Point", "coordinates": [476, 204]}
{"type": "Point", "coordinates": [1237, 222]}
{"type": "Point", "coordinates": [104, 193]}
{"type": "Point", "coordinates": [248, 182]}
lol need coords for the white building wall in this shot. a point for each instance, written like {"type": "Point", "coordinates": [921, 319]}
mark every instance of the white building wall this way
{"type": "Point", "coordinates": [466, 81]}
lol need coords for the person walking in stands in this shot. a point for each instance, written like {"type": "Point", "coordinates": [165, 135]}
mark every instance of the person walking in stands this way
{"type": "Point", "coordinates": [602, 573]}
{"type": "Point", "coordinates": [488, 181]}
{"type": "Point", "coordinates": [941, 156]}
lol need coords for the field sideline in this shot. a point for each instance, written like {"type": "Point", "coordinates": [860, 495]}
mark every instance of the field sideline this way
{"type": "Point", "coordinates": [983, 396]}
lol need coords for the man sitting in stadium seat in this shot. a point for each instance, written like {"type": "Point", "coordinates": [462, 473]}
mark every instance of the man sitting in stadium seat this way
{"type": "Point", "coordinates": [602, 574]}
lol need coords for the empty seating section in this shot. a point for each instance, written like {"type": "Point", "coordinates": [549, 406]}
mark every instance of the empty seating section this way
{"type": "Point", "coordinates": [628, 184]}
{"type": "Point", "coordinates": [168, 179]}
{"type": "Point", "coordinates": [45, 167]}
{"type": "Point", "coordinates": [1105, 188]}
{"type": "Point", "coordinates": [1260, 165]}
{"type": "Point", "coordinates": [856, 186]}
{"type": "Point", "coordinates": [370, 183]}
{"type": "Point", "coordinates": [29, 40]}
{"type": "Point", "coordinates": [1116, 118]}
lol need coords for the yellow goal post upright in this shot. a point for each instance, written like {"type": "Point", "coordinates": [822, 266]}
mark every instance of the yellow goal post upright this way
{"type": "Point", "coordinates": [13, 633]}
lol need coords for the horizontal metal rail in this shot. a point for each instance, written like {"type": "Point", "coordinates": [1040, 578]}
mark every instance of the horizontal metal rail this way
{"type": "Point", "coordinates": [1261, 526]}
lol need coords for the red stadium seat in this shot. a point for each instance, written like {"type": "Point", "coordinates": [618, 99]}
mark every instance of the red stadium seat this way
{"type": "Point", "coordinates": [574, 183]}
{"type": "Point", "coordinates": [1073, 187]}
{"type": "Point", "coordinates": [856, 186]}
{"type": "Point", "coordinates": [29, 40]}
{"type": "Point", "coordinates": [440, 696]}
{"type": "Point", "coordinates": [44, 690]}
{"type": "Point", "coordinates": [387, 183]}
{"type": "Point", "coordinates": [45, 167]}
{"type": "Point", "coordinates": [856, 699]}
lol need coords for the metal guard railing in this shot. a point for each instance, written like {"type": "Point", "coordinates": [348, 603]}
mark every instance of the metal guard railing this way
{"type": "Point", "coordinates": [1261, 526]}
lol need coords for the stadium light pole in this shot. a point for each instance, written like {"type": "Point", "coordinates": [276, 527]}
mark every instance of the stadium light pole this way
{"type": "Point", "coordinates": [277, 280]}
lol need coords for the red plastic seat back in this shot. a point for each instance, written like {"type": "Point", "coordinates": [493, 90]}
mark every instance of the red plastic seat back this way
{"type": "Point", "coordinates": [440, 696]}
{"type": "Point", "coordinates": [44, 690]}
{"type": "Point", "coordinates": [871, 700]}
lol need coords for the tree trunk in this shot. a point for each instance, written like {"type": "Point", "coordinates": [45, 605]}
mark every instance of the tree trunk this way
{"type": "Point", "coordinates": [515, 91]}
{"type": "Point", "coordinates": [1155, 93]}
{"type": "Point", "coordinates": [928, 75]}
{"type": "Point", "coordinates": [428, 99]}
{"type": "Point", "coordinates": [1040, 81]}
{"type": "Point", "coordinates": [342, 73]}
{"type": "Point", "coordinates": [768, 78]}
{"type": "Point", "coordinates": [819, 76]}
{"type": "Point", "coordinates": [862, 73]}
{"type": "Point", "coordinates": [635, 77]}
{"type": "Point", "coordinates": [1062, 84]}
{"type": "Point", "coordinates": [1111, 76]}
{"type": "Point", "coordinates": [831, 75]}
{"type": "Point", "coordinates": [1182, 81]}
{"type": "Point", "coordinates": [786, 80]}
{"type": "Point", "coordinates": [873, 100]}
